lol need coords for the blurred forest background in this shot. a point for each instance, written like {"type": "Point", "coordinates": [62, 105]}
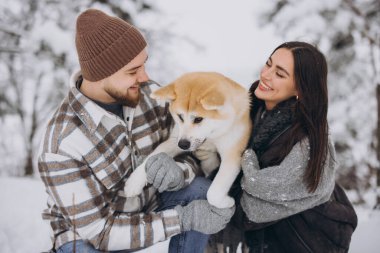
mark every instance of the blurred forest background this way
{"type": "Point", "coordinates": [37, 56]}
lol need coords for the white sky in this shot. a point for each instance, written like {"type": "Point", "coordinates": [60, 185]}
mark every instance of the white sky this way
{"type": "Point", "coordinates": [231, 42]}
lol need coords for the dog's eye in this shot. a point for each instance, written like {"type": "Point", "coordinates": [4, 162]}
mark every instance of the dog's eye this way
{"type": "Point", "coordinates": [180, 117]}
{"type": "Point", "coordinates": [198, 120]}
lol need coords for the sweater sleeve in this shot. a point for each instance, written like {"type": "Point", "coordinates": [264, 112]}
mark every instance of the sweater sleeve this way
{"type": "Point", "coordinates": [277, 192]}
{"type": "Point", "coordinates": [82, 200]}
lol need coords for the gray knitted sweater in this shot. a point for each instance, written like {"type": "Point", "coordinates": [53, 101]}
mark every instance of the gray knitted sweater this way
{"type": "Point", "coordinates": [277, 192]}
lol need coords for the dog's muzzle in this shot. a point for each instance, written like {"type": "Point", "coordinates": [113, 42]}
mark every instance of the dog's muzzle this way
{"type": "Point", "coordinates": [184, 144]}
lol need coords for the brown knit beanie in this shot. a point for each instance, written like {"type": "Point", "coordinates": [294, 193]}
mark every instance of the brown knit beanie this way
{"type": "Point", "coordinates": [105, 44]}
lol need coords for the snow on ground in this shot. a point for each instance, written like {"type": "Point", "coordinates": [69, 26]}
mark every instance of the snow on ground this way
{"type": "Point", "coordinates": [22, 229]}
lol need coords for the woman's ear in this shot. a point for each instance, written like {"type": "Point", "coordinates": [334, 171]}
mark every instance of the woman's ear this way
{"type": "Point", "coordinates": [166, 93]}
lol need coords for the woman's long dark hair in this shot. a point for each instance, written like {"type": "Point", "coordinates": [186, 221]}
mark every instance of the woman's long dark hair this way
{"type": "Point", "coordinates": [310, 73]}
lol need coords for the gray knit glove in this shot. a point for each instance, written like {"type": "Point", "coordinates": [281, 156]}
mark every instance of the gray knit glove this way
{"type": "Point", "coordinates": [201, 216]}
{"type": "Point", "coordinates": [249, 162]}
{"type": "Point", "coordinates": [164, 173]}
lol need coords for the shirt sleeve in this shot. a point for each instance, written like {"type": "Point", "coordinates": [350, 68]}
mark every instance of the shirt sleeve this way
{"type": "Point", "coordinates": [86, 204]}
{"type": "Point", "coordinates": [190, 166]}
{"type": "Point", "coordinates": [277, 192]}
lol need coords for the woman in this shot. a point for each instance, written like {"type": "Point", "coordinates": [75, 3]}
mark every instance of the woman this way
{"type": "Point", "coordinates": [289, 201]}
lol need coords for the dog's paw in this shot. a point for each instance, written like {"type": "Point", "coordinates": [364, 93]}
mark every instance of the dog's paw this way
{"type": "Point", "coordinates": [204, 151]}
{"type": "Point", "coordinates": [208, 156]}
{"type": "Point", "coordinates": [220, 201]}
{"type": "Point", "coordinates": [135, 183]}
{"type": "Point", "coordinates": [210, 164]}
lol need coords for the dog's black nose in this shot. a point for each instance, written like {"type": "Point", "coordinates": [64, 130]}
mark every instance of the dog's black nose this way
{"type": "Point", "coordinates": [184, 144]}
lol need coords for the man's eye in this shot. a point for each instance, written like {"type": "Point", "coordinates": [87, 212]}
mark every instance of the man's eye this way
{"type": "Point", "coordinates": [180, 117]}
{"type": "Point", "coordinates": [198, 120]}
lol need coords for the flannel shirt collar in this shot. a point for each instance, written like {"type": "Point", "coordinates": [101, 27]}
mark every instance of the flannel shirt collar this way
{"type": "Point", "coordinates": [87, 111]}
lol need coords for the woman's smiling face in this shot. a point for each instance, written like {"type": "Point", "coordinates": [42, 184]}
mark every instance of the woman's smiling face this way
{"type": "Point", "coordinates": [277, 81]}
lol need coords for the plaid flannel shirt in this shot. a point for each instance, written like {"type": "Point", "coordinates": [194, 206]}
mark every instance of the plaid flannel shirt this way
{"type": "Point", "coordinates": [85, 158]}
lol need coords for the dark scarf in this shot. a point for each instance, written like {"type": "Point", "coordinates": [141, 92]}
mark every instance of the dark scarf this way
{"type": "Point", "coordinates": [269, 125]}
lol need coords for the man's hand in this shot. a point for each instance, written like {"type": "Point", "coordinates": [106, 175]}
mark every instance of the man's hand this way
{"type": "Point", "coordinates": [164, 173]}
{"type": "Point", "coordinates": [201, 216]}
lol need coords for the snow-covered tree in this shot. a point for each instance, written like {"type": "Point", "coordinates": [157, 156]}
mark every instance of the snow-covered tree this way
{"type": "Point", "coordinates": [37, 55]}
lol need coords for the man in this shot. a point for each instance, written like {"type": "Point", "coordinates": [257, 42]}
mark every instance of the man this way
{"type": "Point", "coordinates": [102, 130]}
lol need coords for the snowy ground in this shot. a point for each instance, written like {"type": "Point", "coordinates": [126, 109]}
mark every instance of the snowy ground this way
{"type": "Point", "coordinates": [22, 229]}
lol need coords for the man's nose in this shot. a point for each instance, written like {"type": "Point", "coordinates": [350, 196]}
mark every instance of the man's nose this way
{"type": "Point", "coordinates": [142, 76]}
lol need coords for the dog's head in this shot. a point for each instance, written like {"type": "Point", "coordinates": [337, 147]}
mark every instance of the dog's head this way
{"type": "Point", "coordinates": [199, 104]}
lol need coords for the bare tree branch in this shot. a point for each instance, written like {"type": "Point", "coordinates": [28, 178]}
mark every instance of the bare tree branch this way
{"type": "Point", "coordinates": [366, 32]}
{"type": "Point", "coordinates": [10, 50]}
{"type": "Point", "coordinates": [9, 30]}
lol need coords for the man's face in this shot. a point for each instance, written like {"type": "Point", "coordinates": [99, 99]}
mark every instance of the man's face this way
{"type": "Point", "coordinates": [123, 87]}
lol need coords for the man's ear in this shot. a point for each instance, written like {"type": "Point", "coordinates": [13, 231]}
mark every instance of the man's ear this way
{"type": "Point", "coordinates": [165, 93]}
{"type": "Point", "coordinates": [212, 101]}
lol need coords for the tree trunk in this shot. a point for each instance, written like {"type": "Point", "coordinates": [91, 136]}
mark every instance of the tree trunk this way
{"type": "Point", "coordinates": [28, 169]}
{"type": "Point", "coordinates": [377, 206]}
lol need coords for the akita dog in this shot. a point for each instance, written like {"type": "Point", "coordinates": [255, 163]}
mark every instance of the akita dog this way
{"type": "Point", "coordinates": [208, 109]}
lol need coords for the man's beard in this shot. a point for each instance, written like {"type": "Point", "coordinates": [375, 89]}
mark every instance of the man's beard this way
{"type": "Point", "coordinates": [124, 99]}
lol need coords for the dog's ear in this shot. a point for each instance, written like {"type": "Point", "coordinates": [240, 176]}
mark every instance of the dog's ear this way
{"type": "Point", "coordinates": [165, 93]}
{"type": "Point", "coordinates": [212, 101]}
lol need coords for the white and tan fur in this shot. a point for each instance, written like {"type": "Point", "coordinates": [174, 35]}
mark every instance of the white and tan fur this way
{"type": "Point", "coordinates": [223, 106]}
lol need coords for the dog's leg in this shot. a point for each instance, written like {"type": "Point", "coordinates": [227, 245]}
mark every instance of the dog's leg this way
{"type": "Point", "coordinates": [217, 194]}
{"type": "Point", "coordinates": [137, 180]}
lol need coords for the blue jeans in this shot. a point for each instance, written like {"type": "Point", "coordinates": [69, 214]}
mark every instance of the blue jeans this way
{"type": "Point", "coordinates": [186, 242]}
{"type": "Point", "coordinates": [191, 241]}
{"type": "Point", "coordinates": [80, 247]}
